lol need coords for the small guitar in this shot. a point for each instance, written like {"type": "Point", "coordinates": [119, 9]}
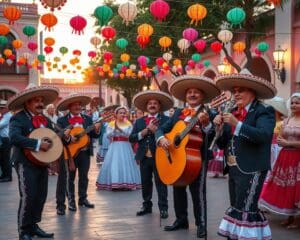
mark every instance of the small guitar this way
{"type": "Point", "coordinates": [181, 163]}
{"type": "Point", "coordinates": [82, 138]}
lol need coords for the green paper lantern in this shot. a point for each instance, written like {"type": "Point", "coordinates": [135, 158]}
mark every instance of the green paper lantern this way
{"type": "Point", "coordinates": [29, 30]}
{"type": "Point", "coordinates": [262, 47]}
{"type": "Point", "coordinates": [236, 16]}
{"type": "Point", "coordinates": [103, 15]}
{"type": "Point", "coordinates": [41, 58]}
{"type": "Point", "coordinates": [3, 40]}
{"type": "Point", "coordinates": [206, 63]}
{"type": "Point", "coordinates": [122, 43]}
{"type": "Point", "coordinates": [63, 50]}
{"type": "Point", "coordinates": [196, 57]}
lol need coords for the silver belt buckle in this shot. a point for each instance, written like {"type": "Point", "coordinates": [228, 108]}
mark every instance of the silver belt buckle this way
{"type": "Point", "coordinates": [231, 160]}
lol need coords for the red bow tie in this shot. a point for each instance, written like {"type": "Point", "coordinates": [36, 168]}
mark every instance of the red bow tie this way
{"type": "Point", "coordinates": [76, 120]}
{"type": "Point", "coordinates": [240, 114]}
{"type": "Point", "coordinates": [149, 119]}
{"type": "Point", "coordinates": [39, 121]}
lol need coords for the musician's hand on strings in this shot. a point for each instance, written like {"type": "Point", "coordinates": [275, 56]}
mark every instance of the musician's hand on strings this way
{"type": "Point", "coordinates": [164, 143]}
{"type": "Point", "coordinates": [203, 118]}
{"type": "Point", "coordinates": [230, 119]}
{"type": "Point", "coordinates": [45, 145]}
{"type": "Point", "coordinates": [218, 121]}
{"type": "Point", "coordinates": [67, 133]}
{"type": "Point", "coordinates": [74, 139]}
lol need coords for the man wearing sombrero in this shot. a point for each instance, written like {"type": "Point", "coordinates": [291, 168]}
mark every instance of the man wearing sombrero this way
{"type": "Point", "coordinates": [246, 139]}
{"type": "Point", "coordinates": [75, 103]}
{"type": "Point", "coordinates": [195, 91]}
{"type": "Point", "coordinates": [152, 102]}
{"type": "Point", "coordinates": [33, 179]}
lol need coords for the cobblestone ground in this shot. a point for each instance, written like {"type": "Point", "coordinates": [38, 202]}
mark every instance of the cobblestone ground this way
{"type": "Point", "coordinates": [114, 215]}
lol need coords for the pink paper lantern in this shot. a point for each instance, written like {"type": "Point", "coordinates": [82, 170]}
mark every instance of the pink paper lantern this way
{"type": "Point", "coordinates": [142, 60]}
{"type": "Point", "coordinates": [190, 34]}
{"type": "Point", "coordinates": [32, 46]}
{"type": "Point", "coordinates": [159, 9]}
{"type": "Point", "coordinates": [78, 23]}
{"type": "Point", "coordinates": [200, 45]}
{"type": "Point", "coordinates": [92, 54]}
{"type": "Point", "coordinates": [159, 61]}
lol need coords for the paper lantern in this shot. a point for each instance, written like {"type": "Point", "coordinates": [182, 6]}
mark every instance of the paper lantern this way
{"type": "Point", "coordinates": [17, 44]}
{"type": "Point", "coordinates": [196, 57]}
{"type": "Point", "coordinates": [127, 12]}
{"type": "Point", "coordinates": [196, 12]}
{"type": "Point", "coordinates": [159, 9]}
{"type": "Point", "coordinates": [49, 41]}
{"type": "Point", "coordinates": [41, 58]}
{"type": "Point", "coordinates": [52, 4]}
{"type": "Point", "coordinates": [276, 3]}
{"type": "Point", "coordinates": [76, 52]}
{"type": "Point", "coordinates": [122, 43]}
{"type": "Point", "coordinates": [145, 30]}
{"type": "Point", "coordinates": [48, 50]}
{"type": "Point", "coordinates": [103, 15]}
{"type": "Point", "coordinates": [167, 56]}
{"type": "Point", "coordinates": [263, 47]}
{"type": "Point", "coordinates": [125, 57]}
{"type": "Point", "coordinates": [108, 33]}
{"type": "Point", "coordinates": [4, 29]}
{"type": "Point", "coordinates": [165, 42]}
{"type": "Point", "coordinates": [3, 41]}
{"type": "Point", "coordinates": [190, 34]}
{"type": "Point", "coordinates": [7, 52]}
{"type": "Point", "coordinates": [225, 36]}
{"type": "Point", "coordinates": [63, 50]}
{"type": "Point", "coordinates": [239, 47]}
{"type": "Point", "coordinates": [32, 46]}
{"type": "Point", "coordinates": [107, 56]}
{"type": "Point", "coordinates": [142, 40]}
{"type": "Point", "coordinates": [206, 63]}
{"type": "Point", "coordinates": [95, 41]}
{"type": "Point", "coordinates": [216, 47]}
{"type": "Point", "coordinates": [29, 30]}
{"type": "Point", "coordinates": [183, 45]}
{"type": "Point", "coordinates": [236, 16]}
{"type": "Point", "coordinates": [12, 14]}
{"type": "Point", "coordinates": [92, 54]}
{"type": "Point", "coordinates": [200, 45]}
{"type": "Point", "coordinates": [142, 60]}
{"type": "Point", "coordinates": [78, 23]}
{"type": "Point", "coordinates": [49, 20]}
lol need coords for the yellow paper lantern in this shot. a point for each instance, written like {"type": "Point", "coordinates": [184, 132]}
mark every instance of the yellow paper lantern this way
{"type": "Point", "coordinates": [105, 67]}
{"type": "Point", "coordinates": [177, 62]}
{"type": "Point", "coordinates": [7, 52]}
{"type": "Point", "coordinates": [145, 30]}
{"type": "Point", "coordinates": [239, 47]}
{"type": "Point", "coordinates": [125, 57]}
{"type": "Point", "coordinates": [196, 12]}
{"type": "Point", "coordinates": [165, 42]}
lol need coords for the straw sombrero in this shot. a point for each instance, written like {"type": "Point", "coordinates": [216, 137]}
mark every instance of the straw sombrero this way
{"type": "Point", "coordinates": [278, 104]}
{"type": "Point", "coordinates": [49, 93]}
{"type": "Point", "coordinates": [110, 107]}
{"type": "Point", "coordinates": [63, 105]}
{"type": "Point", "coordinates": [141, 99]}
{"type": "Point", "coordinates": [263, 88]}
{"type": "Point", "coordinates": [184, 82]}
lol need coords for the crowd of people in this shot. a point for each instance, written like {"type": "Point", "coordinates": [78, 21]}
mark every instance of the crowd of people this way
{"type": "Point", "coordinates": [158, 141]}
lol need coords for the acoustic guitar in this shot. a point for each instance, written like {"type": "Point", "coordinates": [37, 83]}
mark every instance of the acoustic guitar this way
{"type": "Point", "coordinates": [42, 158]}
{"type": "Point", "coordinates": [181, 163]}
{"type": "Point", "coordinates": [72, 149]}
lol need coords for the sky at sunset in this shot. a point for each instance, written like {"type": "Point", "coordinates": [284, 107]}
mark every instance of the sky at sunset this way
{"type": "Point", "coordinates": [63, 36]}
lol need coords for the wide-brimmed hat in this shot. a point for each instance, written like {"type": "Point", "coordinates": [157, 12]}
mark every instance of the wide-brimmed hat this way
{"type": "Point", "coordinates": [110, 107]}
{"type": "Point", "coordinates": [141, 99]}
{"type": "Point", "coordinates": [3, 103]}
{"type": "Point", "coordinates": [49, 93]}
{"type": "Point", "coordinates": [279, 104]}
{"type": "Point", "coordinates": [263, 88]}
{"type": "Point", "coordinates": [184, 82]}
{"type": "Point", "coordinates": [63, 105]}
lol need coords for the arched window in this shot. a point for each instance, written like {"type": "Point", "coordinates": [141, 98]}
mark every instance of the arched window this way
{"type": "Point", "coordinates": [6, 94]}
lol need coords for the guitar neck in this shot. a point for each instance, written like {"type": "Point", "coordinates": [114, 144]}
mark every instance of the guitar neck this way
{"type": "Point", "coordinates": [192, 123]}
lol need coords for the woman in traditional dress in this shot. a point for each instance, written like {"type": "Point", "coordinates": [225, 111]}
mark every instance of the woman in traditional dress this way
{"type": "Point", "coordinates": [281, 193]}
{"type": "Point", "coordinates": [119, 170]}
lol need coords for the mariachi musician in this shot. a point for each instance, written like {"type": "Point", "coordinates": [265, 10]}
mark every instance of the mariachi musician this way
{"type": "Point", "coordinates": [33, 178]}
{"type": "Point", "coordinates": [81, 161]}
{"type": "Point", "coordinates": [195, 90]}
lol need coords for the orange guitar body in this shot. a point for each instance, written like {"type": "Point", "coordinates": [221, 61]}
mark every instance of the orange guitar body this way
{"type": "Point", "coordinates": [75, 147]}
{"type": "Point", "coordinates": [181, 165]}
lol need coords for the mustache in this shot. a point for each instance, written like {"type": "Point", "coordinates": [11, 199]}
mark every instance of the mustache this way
{"type": "Point", "coordinates": [192, 97]}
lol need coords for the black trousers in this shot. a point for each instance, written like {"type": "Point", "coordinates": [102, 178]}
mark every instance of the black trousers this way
{"type": "Point", "coordinates": [5, 163]}
{"type": "Point", "coordinates": [33, 188]}
{"type": "Point", "coordinates": [148, 169]}
{"type": "Point", "coordinates": [61, 185]}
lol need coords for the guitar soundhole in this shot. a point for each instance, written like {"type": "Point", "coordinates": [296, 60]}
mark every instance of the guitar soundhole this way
{"type": "Point", "coordinates": [48, 140]}
{"type": "Point", "coordinates": [177, 141]}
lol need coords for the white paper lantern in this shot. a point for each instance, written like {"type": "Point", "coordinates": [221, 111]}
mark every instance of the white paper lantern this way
{"type": "Point", "coordinates": [225, 36]}
{"type": "Point", "coordinates": [183, 45]}
{"type": "Point", "coordinates": [127, 12]}
{"type": "Point", "coordinates": [167, 56]}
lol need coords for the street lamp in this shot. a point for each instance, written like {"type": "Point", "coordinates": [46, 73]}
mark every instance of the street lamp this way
{"type": "Point", "coordinates": [278, 55]}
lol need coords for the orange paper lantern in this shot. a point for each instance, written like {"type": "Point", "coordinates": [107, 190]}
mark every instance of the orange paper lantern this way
{"type": "Point", "coordinates": [145, 30]}
{"type": "Point", "coordinates": [49, 41]}
{"type": "Point", "coordinates": [49, 20]}
{"type": "Point", "coordinates": [196, 12]}
{"type": "Point", "coordinates": [12, 14]}
{"type": "Point", "coordinates": [4, 29]}
{"type": "Point", "coordinates": [165, 42]}
{"type": "Point", "coordinates": [17, 43]}
{"type": "Point", "coordinates": [125, 57]}
{"type": "Point", "coordinates": [239, 47]}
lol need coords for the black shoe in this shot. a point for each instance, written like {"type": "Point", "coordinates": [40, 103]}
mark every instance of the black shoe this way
{"type": "Point", "coordinates": [25, 237]}
{"type": "Point", "coordinates": [144, 211]}
{"type": "Point", "coordinates": [201, 231]}
{"type": "Point", "coordinates": [72, 206]}
{"type": "Point", "coordinates": [6, 179]}
{"type": "Point", "coordinates": [164, 214]}
{"type": "Point", "coordinates": [60, 211]}
{"type": "Point", "coordinates": [177, 225]}
{"type": "Point", "coordinates": [37, 231]}
{"type": "Point", "coordinates": [86, 203]}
